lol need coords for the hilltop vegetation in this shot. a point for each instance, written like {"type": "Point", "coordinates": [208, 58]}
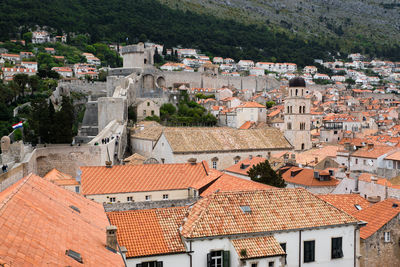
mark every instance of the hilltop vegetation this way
{"type": "Point", "coordinates": [140, 20]}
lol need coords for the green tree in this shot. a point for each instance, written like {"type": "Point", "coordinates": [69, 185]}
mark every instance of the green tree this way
{"type": "Point", "coordinates": [63, 122]}
{"type": "Point", "coordinates": [167, 110]}
{"type": "Point", "coordinates": [34, 83]}
{"type": "Point", "coordinates": [27, 37]}
{"type": "Point", "coordinates": [263, 173]}
{"type": "Point", "coordinates": [21, 80]}
{"type": "Point", "coordinates": [270, 104]}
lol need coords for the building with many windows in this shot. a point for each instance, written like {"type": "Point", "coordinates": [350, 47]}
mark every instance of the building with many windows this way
{"type": "Point", "coordinates": [232, 229]}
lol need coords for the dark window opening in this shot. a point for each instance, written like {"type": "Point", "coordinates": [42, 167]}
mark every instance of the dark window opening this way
{"type": "Point", "coordinates": [337, 251]}
{"type": "Point", "coordinates": [309, 251]}
{"type": "Point", "coordinates": [75, 255]}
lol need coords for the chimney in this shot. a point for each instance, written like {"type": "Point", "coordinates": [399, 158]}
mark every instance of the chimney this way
{"type": "Point", "coordinates": [111, 232]}
{"type": "Point", "coordinates": [192, 161]}
{"type": "Point", "coordinates": [108, 164]}
{"type": "Point", "coordinates": [370, 146]}
{"type": "Point", "coordinates": [374, 200]}
{"type": "Point", "coordinates": [316, 160]}
{"type": "Point", "coordinates": [123, 252]}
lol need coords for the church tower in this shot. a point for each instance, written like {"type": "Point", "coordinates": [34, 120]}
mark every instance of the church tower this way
{"type": "Point", "coordinates": [297, 115]}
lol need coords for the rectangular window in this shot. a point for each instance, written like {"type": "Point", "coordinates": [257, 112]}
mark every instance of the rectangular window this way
{"type": "Point", "coordinates": [148, 104]}
{"type": "Point", "coordinates": [387, 237]}
{"type": "Point", "coordinates": [165, 196]}
{"type": "Point", "coordinates": [254, 265]}
{"type": "Point", "coordinates": [289, 126]}
{"type": "Point", "coordinates": [152, 112]}
{"type": "Point", "coordinates": [77, 189]}
{"type": "Point", "coordinates": [112, 199]}
{"type": "Point", "coordinates": [364, 162]}
{"type": "Point", "coordinates": [216, 259]}
{"type": "Point", "coordinates": [214, 164]}
{"type": "Point", "coordinates": [337, 251]}
{"type": "Point", "coordinates": [144, 112]}
{"type": "Point", "coordinates": [150, 264]}
{"type": "Point", "coordinates": [129, 199]}
{"type": "Point", "coordinates": [271, 264]}
{"type": "Point", "coordinates": [356, 161]}
{"type": "Point", "coordinates": [309, 251]}
{"type": "Point", "coordinates": [148, 198]}
{"type": "Point", "coordinates": [283, 246]}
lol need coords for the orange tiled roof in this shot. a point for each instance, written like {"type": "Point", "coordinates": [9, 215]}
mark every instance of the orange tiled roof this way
{"type": "Point", "coordinates": [246, 125]}
{"type": "Point", "coordinates": [60, 178]}
{"type": "Point", "coordinates": [37, 226]}
{"type": "Point", "coordinates": [377, 216]}
{"type": "Point", "coordinates": [139, 178]}
{"type": "Point", "coordinates": [228, 182]}
{"type": "Point", "coordinates": [251, 105]}
{"type": "Point", "coordinates": [373, 153]}
{"type": "Point", "coordinates": [243, 166]}
{"type": "Point", "coordinates": [258, 247]}
{"type": "Point", "coordinates": [149, 232]}
{"type": "Point", "coordinates": [306, 177]}
{"type": "Point", "coordinates": [346, 202]}
{"type": "Point", "coordinates": [271, 210]}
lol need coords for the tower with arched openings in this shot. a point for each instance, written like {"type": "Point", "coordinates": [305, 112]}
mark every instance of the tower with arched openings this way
{"type": "Point", "coordinates": [297, 115]}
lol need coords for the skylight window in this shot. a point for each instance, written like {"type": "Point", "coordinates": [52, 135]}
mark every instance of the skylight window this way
{"type": "Point", "coordinates": [75, 255]}
{"type": "Point", "coordinates": [245, 209]}
{"type": "Point", "coordinates": [358, 207]}
{"type": "Point", "coordinates": [75, 208]}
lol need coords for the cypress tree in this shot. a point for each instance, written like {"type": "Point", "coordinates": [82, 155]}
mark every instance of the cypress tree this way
{"type": "Point", "coordinates": [263, 173]}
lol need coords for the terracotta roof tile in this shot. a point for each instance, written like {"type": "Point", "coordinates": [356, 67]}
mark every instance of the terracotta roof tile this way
{"type": "Point", "coordinates": [231, 183]}
{"type": "Point", "coordinates": [377, 216]}
{"type": "Point", "coordinates": [251, 105]}
{"type": "Point", "coordinates": [258, 247]}
{"type": "Point", "coordinates": [346, 202]}
{"type": "Point", "coordinates": [373, 153]}
{"type": "Point", "coordinates": [149, 232]}
{"type": "Point", "coordinates": [37, 226]}
{"type": "Point", "coordinates": [199, 139]}
{"type": "Point", "coordinates": [270, 210]}
{"type": "Point", "coordinates": [60, 178]}
{"type": "Point", "coordinates": [243, 166]}
{"type": "Point", "coordinates": [140, 178]}
{"type": "Point", "coordinates": [306, 177]}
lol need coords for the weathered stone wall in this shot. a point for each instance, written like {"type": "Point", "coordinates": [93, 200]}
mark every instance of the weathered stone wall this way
{"type": "Point", "coordinates": [378, 253]}
{"type": "Point", "coordinates": [111, 108]}
{"type": "Point", "coordinates": [197, 79]}
{"type": "Point", "coordinates": [67, 159]}
{"type": "Point", "coordinates": [148, 204]}
{"type": "Point", "coordinates": [95, 89]}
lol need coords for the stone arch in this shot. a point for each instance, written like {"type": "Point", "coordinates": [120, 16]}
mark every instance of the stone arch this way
{"type": "Point", "coordinates": [151, 161]}
{"type": "Point", "coordinates": [160, 82]}
{"type": "Point", "coordinates": [43, 165]}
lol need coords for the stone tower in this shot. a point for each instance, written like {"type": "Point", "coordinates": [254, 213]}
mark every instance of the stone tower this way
{"type": "Point", "coordinates": [137, 56]}
{"type": "Point", "coordinates": [297, 115]}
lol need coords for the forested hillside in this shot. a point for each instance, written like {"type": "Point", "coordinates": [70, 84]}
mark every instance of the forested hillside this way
{"type": "Point", "coordinates": [115, 20]}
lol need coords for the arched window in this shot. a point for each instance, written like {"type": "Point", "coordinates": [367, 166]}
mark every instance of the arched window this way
{"type": "Point", "coordinates": [288, 109]}
{"type": "Point", "coordinates": [304, 109]}
{"type": "Point", "coordinates": [145, 61]}
{"type": "Point", "coordinates": [302, 146]}
{"type": "Point", "coordinates": [214, 162]}
{"type": "Point", "coordinates": [300, 109]}
{"type": "Point", "coordinates": [236, 159]}
{"type": "Point", "coordinates": [289, 126]}
{"type": "Point", "coordinates": [297, 91]}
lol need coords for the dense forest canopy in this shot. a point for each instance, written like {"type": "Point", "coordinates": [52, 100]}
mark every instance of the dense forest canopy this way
{"type": "Point", "coordinates": [117, 20]}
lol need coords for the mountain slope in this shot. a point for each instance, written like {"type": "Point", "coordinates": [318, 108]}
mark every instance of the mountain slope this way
{"type": "Point", "coordinates": [377, 20]}
{"type": "Point", "coordinates": [140, 20]}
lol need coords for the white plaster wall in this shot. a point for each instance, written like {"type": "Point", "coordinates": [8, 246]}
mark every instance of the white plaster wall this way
{"type": "Point", "coordinates": [141, 196]}
{"type": "Point", "coordinates": [142, 146]}
{"type": "Point", "coordinates": [173, 260]}
{"type": "Point", "coordinates": [322, 239]}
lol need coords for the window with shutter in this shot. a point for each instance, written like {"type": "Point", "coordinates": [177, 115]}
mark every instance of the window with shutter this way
{"type": "Point", "coordinates": [226, 259]}
{"type": "Point", "coordinates": [309, 251]}
{"type": "Point", "coordinates": [337, 251]}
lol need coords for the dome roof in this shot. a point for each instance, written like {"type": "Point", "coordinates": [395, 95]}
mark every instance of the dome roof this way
{"type": "Point", "coordinates": [297, 82]}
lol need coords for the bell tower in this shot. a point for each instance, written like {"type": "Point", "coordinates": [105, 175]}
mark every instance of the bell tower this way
{"type": "Point", "coordinates": [297, 115]}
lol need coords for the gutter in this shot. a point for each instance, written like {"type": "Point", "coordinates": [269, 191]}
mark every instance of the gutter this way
{"type": "Point", "coordinates": [300, 248]}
